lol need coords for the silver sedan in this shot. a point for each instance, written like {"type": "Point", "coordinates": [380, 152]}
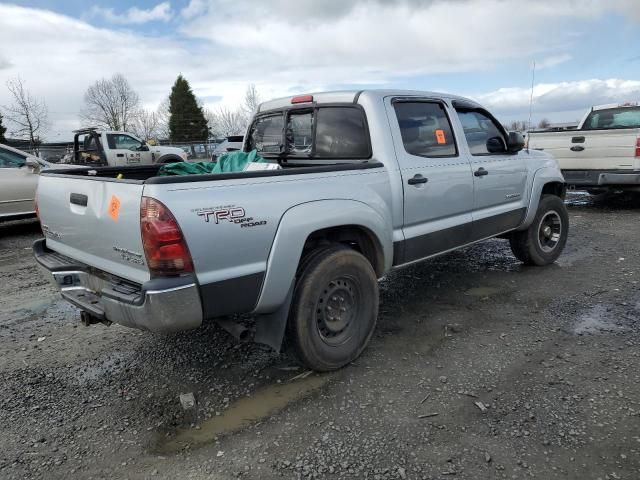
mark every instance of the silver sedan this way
{"type": "Point", "coordinates": [18, 181]}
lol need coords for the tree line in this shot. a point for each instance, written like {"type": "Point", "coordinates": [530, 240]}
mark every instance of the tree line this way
{"type": "Point", "coordinates": [113, 104]}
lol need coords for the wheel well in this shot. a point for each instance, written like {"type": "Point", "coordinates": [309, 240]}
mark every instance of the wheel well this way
{"type": "Point", "coordinates": [558, 189]}
{"type": "Point", "coordinates": [355, 236]}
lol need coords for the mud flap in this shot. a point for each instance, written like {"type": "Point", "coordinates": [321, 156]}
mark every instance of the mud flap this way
{"type": "Point", "coordinates": [270, 328]}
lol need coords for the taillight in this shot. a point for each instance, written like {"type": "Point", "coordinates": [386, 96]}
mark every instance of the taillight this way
{"type": "Point", "coordinates": [638, 147]}
{"type": "Point", "coordinates": [164, 246]}
{"type": "Point", "coordinates": [302, 99]}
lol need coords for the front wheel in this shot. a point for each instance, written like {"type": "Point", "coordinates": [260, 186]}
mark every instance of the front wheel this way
{"type": "Point", "coordinates": [543, 242]}
{"type": "Point", "coordinates": [334, 310]}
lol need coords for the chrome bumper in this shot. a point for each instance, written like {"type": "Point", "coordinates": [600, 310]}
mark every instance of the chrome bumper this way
{"type": "Point", "coordinates": [601, 178]}
{"type": "Point", "coordinates": [619, 179]}
{"type": "Point", "coordinates": [159, 305]}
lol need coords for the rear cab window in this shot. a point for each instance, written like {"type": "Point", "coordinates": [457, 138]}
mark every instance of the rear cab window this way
{"type": "Point", "coordinates": [322, 132]}
{"type": "Point", "coordinates": [621, 117]}
{"type": "Point", "coordinates": [425, 128]}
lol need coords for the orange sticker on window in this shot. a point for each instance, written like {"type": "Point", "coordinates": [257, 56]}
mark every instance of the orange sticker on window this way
{"type": "Point", "coordinates": [114, 208]}
{"type": "Point", "coordinates": [440, 138]}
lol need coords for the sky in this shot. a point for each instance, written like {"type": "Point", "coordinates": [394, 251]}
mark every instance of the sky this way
{"type": "Point", "coordinates": [585, 50]}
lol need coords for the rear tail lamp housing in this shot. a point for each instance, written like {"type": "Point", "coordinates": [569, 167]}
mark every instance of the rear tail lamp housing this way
{"type": "Point", "coordinates": [164, 245]}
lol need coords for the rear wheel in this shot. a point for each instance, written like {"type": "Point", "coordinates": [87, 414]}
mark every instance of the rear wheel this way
{"type": "Point", "coordinates": [543, 242]}
{"type": "Point", "coordinates": [334, 309]}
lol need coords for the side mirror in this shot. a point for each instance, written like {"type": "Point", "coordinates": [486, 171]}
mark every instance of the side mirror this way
{"type": "Point", "coordinates": [143, 148]}
{"type": "Point", "coordinates": [515, 142]}
{"type": "Point", "coordinates": [31, 163]}
{"type": "Point", "coordinates": [495, 145]}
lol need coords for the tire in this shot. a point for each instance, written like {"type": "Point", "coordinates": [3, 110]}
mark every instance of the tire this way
{"type": "Point", "coordinates": [542, 243]}
{"type": "Point", "coordinates": [335, 308]}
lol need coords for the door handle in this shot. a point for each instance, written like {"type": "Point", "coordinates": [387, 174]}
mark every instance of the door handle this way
{"type": "Point", "coordinates": [417, 179]}
{"type": "Point", "coordinates": [119, 154]}
{"type": "Point", "coordinates": [79, 199]}
{"type": "Point", "coordinates": [577, 140]}
{"type": "Point", "coordinates": [481, 172]}
{"type": "Point", "coordinates": [577, 148]}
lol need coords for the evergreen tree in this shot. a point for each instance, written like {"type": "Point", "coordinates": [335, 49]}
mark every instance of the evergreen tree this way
{"type": "Point", "coordinates": [187, 122]}
{"type": "Point", "coordinates": [2, 130]}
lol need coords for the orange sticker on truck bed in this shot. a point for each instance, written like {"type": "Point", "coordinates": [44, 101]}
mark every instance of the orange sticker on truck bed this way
{"type": "Point", "coordinates": [440, 138]}
{"type": "Point", "coordinates": [114, 208]}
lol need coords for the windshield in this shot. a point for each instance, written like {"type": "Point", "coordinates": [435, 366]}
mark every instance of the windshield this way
{"type": "Point", "coordinates": [622, 117]}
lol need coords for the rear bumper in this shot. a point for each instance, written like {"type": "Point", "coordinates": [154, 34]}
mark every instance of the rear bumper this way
{"type": "Point", "coordinates": [160, 305]}
{"type": "Point", "coordinates": [602, 178]}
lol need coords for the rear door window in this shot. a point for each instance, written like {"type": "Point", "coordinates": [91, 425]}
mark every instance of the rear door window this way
{"type": "Point", "coordinates": [425, 129]}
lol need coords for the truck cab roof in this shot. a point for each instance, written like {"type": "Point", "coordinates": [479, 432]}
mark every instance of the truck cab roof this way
{"type": "Point", "coordinates": [353, 96]}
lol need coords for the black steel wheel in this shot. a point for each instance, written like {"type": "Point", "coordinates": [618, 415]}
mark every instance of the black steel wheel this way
{"type": "Point", "coordinates": [334, 309]}
{"type": "Point", "coordinates": [544, 240]}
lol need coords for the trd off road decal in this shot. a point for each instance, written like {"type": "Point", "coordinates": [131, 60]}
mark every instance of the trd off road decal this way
{"type": "Point", "coordinates": [228, 213]}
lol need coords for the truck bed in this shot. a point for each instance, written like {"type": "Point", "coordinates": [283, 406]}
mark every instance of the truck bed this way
{"type": "Point", "coordinates": [148, 174]}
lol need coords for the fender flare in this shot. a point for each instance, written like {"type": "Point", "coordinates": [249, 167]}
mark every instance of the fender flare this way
{"type": "Point", "coordinates": [294, 228]}
{"type": "Point", "coordinates": [169, 158]}
{"type": "Point", "coordinates": [542, 177]}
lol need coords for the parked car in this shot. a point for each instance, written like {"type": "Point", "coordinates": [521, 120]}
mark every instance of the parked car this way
{"type": "Point", "coordinates": [602, 154]}
{"type": "Point", "coordinates": [109, 148]}
{"type": "Point", "coordinates": [229, 144]}
{"type": "Point", "coordinates": [383, 179]}
{"type": "Point", "coordinates": [18, 181]}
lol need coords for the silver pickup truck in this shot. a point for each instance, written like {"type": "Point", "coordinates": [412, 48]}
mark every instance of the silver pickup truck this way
{"type": "Point", "coordinates": [368, 181]}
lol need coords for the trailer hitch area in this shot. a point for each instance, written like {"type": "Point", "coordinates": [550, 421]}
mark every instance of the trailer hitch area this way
{"type": "Point", "coordinates": [87, 319]}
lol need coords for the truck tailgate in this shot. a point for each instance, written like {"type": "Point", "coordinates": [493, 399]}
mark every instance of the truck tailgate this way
{"type": "Point", "coordinates": [94, 221]}
{"type": "Point", "coordinates": [590, 149]}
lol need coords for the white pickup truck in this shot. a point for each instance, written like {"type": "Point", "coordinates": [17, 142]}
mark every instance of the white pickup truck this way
{"type": "Point", "coordinates": [602, 154]}
{"type": "Point", "coordinates": [118, 149]}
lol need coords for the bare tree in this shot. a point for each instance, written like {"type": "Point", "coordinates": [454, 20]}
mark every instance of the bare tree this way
{"type": "Point", "coordinates": [544, 123]}
{"type": "Point", "coordinates": [517, 126]}
{"type": "Point", "coordinates": [28, 115]}
{"type": "Point", "coordinates": [163, 114]}
{"type": "Point", "coordinates": [146, 124]}
{"type": "Point", "coordinates": [251, 102]}
{"type": "Point", "coordinates": [225, 122]}
{"type": "Point", "coordinates": [110, 103]}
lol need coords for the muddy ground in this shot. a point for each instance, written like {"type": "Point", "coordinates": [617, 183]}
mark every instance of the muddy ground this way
{"type": "Point", "coordinates": [480, 368]}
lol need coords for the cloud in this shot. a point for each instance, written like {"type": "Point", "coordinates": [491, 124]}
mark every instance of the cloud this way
{"type": "Point", "coordinates": [134, 15]}
{"type": "Point", "coordinates": [288, 46]}
{"type": "Point", "coordinates": [194, 8]}
{"type": "Point", "coordinates": [553, 61]}
{"type": "Point", "coordinates": [550, 98]}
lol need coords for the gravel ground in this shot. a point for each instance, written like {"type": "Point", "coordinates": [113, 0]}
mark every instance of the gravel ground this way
{"type": "Point", "coordinates": [480, 369]}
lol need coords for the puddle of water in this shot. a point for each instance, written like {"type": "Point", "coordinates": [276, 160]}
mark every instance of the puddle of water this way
{"type": "Point", "coordinates": [596, 321]}
{"type": "Point", "coordinates": [20, 308]}
{"type": "Point", "coordinates": [483, 291]}
{"type": "Point", "coordinates": [245, 411]}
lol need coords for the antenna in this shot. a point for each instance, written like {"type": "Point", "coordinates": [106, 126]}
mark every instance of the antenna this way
{"type": "Point", "coordinates": [533, 79]}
